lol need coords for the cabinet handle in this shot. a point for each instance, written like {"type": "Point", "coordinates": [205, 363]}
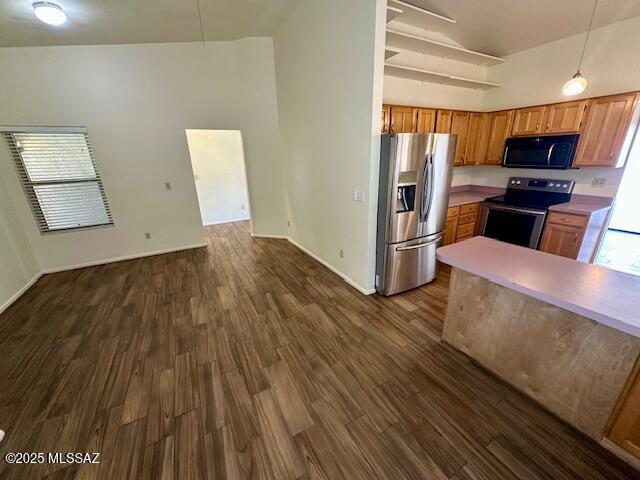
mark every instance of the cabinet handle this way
{"type": "Point", "coordinates": [548, 126]}
{"type": "Point", "coordinates": [537, 126]}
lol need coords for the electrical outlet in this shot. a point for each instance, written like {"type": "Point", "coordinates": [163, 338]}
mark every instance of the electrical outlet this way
{"type": "Point", "coordinates": [358, 195]}
{"type": "Point", "coordinates": [147, 235]}
{"type": "Point", "coordinates": [341, 254]}
{"type": "Point", "coordinates": [167, 185]}
{"type": "Point", "coordinates": [598, 182]}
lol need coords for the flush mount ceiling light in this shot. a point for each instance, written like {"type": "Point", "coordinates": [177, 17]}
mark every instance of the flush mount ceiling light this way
{"type": "Point", "coordinates": [578, 83]}
{"type": "Point", "coordinates": [49, 13]}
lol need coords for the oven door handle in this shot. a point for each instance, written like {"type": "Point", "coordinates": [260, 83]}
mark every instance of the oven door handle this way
{"type": "Point", "coordinates": [515, 209]}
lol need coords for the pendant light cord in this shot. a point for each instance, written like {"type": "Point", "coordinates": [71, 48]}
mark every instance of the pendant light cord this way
{"type": "Point", "coordinates": [200, 20]}
{"type": "Point", "coordinates": [586, 40]}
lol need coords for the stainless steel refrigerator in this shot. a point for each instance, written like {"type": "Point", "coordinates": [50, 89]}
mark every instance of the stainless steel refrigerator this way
{"type": "Point", "coordinates": [415, 178]}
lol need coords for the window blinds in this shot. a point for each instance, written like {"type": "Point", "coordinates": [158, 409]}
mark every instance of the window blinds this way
{"type": "Point", "coordinates": [59, 176]}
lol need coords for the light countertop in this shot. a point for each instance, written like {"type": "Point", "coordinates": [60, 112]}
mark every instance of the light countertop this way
{"type": "Point", "coordinates": [472, 194]}
{"type": "Point", "coordinates": [603, 295]}
{"type": "Point", "coordinates": [583, 205]}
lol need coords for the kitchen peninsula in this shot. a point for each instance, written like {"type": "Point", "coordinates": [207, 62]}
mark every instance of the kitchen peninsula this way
{"type": "Point", "coordinates": [564, 332]}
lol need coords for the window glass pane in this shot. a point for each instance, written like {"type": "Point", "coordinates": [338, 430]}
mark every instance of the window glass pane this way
{"type": "Point", "coordinates": [56, 156]}
{"type": "Point", "coordinates": [71, 205]}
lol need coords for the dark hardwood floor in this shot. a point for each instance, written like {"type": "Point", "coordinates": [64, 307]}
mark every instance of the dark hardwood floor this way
{"type": "Point", "coordinates": [248, 359]}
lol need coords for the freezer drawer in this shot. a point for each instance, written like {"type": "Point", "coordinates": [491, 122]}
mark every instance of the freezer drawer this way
{"type": "Point", "coordinates": [410, 264]}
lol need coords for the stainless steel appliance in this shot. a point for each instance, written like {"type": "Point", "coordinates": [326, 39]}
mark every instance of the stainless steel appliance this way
{"type": "Point", "coordinates": [518, 216]}
{"type": "Point", "coordinates": [552, 151]}
{"type": "Point", "coordinates": [415, 177]}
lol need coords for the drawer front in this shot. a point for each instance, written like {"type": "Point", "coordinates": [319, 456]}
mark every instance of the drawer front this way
{"type": "Point", "coordinates": [465, 231]}
{"type": "Point", "coordinates": [467, 219]}
{"type": "Point", "coordinates": [469, 208]}
{"type": "Point", "coordinates": [453, 212]}
{"type": "Point", "coordinates": [567, 219]}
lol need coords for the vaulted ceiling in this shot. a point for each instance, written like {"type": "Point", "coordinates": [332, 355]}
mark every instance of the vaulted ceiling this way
{"type": "Point", "coordinates": [502, 27]}
{"type": "Point", "coordinates": [142, 21]}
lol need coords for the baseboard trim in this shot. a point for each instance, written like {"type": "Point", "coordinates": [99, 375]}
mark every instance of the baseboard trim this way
{"type": "Point", "coordinates": [332, 268]}
{"type": "Point", "coordinates": [20, 292]}
{"type": "Point", "coordinates": [277, 237]}
{"type": "Point", "coordinates": [123, 258]}
{"type": "Point", "coordinates": [227, 221]}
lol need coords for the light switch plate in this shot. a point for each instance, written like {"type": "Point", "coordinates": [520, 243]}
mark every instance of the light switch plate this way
{"type": "Point", "coordinates": [358, 196]}
{"type": "Point", "coordinates": [167, 185]}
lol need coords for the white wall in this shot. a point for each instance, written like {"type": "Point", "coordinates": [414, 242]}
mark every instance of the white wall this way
{"type": "Point", "coordinates": [18, 265]}
{"type": "Point", "coordinates": [137, 101]}
{"type": "Point", "coordinates": [535, 76]}
{"type": "Point", "coordinates": [217, 159]}
{"type": "Point", "coordinates": [329, 101]}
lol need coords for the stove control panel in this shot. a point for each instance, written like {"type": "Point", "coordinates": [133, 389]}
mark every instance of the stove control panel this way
{"type": "Point", "coordinates": [541, 184]}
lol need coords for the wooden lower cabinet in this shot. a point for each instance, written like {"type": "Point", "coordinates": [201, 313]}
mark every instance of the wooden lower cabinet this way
{"type": "Point", "coordinates": [461, 222]}
{"type": "Point", "coordinates": [573, 236]}
{"type": "Point", "coordinates": [625, 422]}
{"type": "Point", "coordinates": [563, 240]}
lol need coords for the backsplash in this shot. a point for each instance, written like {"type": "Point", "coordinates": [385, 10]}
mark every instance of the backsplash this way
{"type": "Point", "coordinates": [584, 177]}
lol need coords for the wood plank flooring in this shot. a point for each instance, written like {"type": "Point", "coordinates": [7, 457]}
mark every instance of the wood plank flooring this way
{"type": "Point", "coordinates": [248, 359]}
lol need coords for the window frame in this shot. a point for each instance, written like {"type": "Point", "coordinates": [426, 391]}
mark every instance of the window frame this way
{"type": "Point", "coordinates": [28, 185]}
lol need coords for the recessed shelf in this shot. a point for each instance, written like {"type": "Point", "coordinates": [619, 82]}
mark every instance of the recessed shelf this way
{"type": "Point", "coordinates": [392, 13]}
{"type": "Point", "coordinates": [436, 77]}
{"type": "Point", "coordinates": [415, 43]}
{"type": "Point", "coordinates": [419, 17]}
{"type": "Point", "coordinates": [390, 52]}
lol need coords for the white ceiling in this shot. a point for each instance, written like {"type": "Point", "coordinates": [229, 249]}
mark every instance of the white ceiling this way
{"type": "Point", "coordinates": [502, 27]}
{"type": "Point", "coordinates": [142, 21]}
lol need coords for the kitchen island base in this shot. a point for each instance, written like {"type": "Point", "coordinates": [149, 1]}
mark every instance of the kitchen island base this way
{"type": "Point", "coordinates": [572, 365]}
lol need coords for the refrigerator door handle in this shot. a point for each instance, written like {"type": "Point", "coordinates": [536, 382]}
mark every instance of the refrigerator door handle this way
{"type": "Point", "coordinates": [427, 188]}
{"type": "Point", "coordinates": [419, 245]}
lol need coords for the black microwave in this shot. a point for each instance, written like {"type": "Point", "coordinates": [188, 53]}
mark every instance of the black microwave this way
{"type": "Point", "coordinates": [553, 151]}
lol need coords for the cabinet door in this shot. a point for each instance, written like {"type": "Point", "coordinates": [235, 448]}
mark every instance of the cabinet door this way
{"type": "Point", "coordinates": [403, 119]}
{"type": "Point", "coordinates": [563, 240]}
{"type": "Point", "coordinates": [451, 230]}
{"type": "Point", "coordinates": [460, 126]}
{"type": "Point", "coordinates": [500, 127]}
{"type": "Point", "coordinates": [607, 127]}
{"type": "Point", "coordinates": [443, 121]}
{"type": "Point", "coordinates": [565, 117]}
{"type": "Point", "coordinates": [478, 138]}
{"type": "Point", "coordinates": [385, 118]}
{"type": "Point", "coordinates": [625, 430]}
{"type": "Point", "coordinates": [528, 121]}
{"type": "Point", "coordinates": [426, 122]}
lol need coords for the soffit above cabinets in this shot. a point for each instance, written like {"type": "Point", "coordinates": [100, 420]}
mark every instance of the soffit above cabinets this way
{"type": "Point", "coordinates": [405, 16]}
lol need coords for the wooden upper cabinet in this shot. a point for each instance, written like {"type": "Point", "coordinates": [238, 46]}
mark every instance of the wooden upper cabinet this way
{"type": "Point", "coordinates": [477, 138]}
{"type": "Point", "coordinates": [460, 126]}
{"type": "Point", "coordinates": [403, 119]}
{"type": "Point", "coordinates": [498, 133]}
{"type": "Point", "coordinates": [426, 120]}
{"type": "Point", "coordinates": [385, 119]}
{"type": "Point", "coordinates": [608, 131]}
{"type": "Point", "coordinates": [443, 121]}
{"type": "Point", "coordinates": [528, 121]}
{"type": "Point", "coordinates": [625, 424]}
{"type": "Point", "coordinates": [565, 117]}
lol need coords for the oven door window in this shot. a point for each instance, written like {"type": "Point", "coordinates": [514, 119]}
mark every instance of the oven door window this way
{"type": "Point", "coordinates": [511, 227]}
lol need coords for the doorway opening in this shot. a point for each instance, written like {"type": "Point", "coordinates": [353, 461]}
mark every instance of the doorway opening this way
{"type": "Point", "coordinates": [217, 158]}
{"type": "Point", "coordinates": [620, 247]}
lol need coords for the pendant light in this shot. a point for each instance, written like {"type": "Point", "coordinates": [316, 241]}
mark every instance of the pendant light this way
{"type": "Point", "coordinates": [578, 83]}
